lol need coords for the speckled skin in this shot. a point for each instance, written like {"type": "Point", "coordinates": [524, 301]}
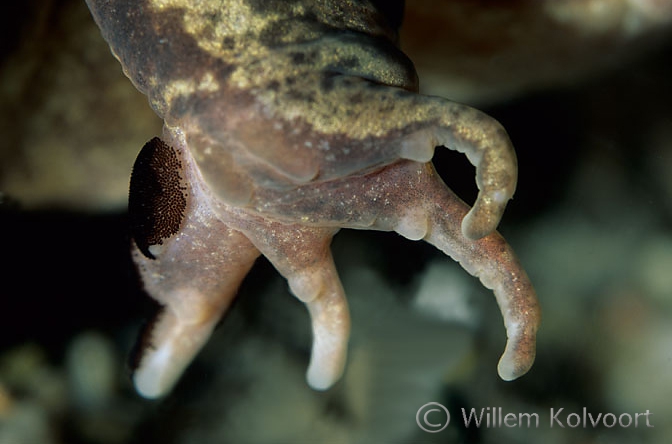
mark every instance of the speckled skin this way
{"type": "Point", "coordinates": [290, 120]}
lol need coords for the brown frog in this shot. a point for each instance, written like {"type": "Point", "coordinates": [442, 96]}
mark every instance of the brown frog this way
{"type": "Point", "coordinates": [286, 121]}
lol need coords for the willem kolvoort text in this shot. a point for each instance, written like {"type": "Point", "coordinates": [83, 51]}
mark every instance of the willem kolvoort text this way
{"type": "Point", "coordinates": [495, 417]}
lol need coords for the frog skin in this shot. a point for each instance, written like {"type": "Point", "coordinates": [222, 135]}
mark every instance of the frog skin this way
{"type": "Point", "coordinates": [285, 121]}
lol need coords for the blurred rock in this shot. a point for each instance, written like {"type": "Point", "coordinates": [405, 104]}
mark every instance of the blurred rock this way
{"type": "Point", "coordinates": [32, 395]}
{"type": "Point", "coordinates": [445, 294]}
{"type": "Point", "coordinates": [26, 370]}
{"type": "Point", "coordinates": [26, 423]}
{"type": "Point", "coordinates": [72, 123]}
{"type": "Point", "coordinates": [93, 371]}
{"type": "Point", "coordinates": [482, 52]}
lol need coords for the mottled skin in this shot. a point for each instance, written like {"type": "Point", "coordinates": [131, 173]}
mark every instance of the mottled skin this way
{"type": "Point", "coordinates": [287, 121]}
